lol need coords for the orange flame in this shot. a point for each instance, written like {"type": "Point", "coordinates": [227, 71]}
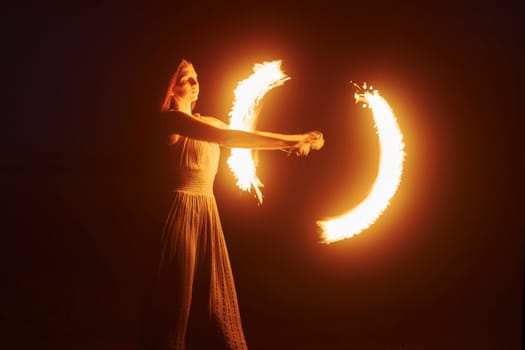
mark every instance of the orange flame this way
{"type": "Point", "coordinates": [248, 95]}
{"type": "Point", "coordinates": [391, 160]}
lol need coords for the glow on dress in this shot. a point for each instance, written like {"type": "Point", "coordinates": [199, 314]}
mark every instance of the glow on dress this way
{"type": "Point", "coordinates": [243, 116]}
{"type": "Point", "coordinates": [391, 160]}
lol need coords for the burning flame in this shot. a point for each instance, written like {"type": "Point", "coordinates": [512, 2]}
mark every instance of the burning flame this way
{"type": "Point", "coordinates": [243, 116]}
{"type": "Point", "coordinates": [388, 178]}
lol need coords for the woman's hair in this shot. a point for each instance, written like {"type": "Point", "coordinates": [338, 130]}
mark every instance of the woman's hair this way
{"type": "Point", "coordinates": [169, 102]}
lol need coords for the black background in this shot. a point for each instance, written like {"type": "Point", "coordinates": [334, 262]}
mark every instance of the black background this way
{"type": "Point", "coordinates": [82, 177]}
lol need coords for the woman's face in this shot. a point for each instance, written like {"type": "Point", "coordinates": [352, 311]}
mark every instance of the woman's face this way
{"type": "Point", "coordinates": [187, 85]}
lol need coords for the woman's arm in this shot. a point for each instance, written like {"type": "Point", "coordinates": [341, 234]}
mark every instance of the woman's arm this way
{"type": "Point", "coordinates": [286, 137]}
{"type": "Point", "coordinates": [213, 130]}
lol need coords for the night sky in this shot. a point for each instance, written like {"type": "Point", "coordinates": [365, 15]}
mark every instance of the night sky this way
{"type": "Point", "coordinates": [84, 178]}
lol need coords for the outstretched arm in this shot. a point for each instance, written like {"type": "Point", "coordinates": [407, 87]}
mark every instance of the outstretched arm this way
{"type": "Point", "coordinates": [213, 130]}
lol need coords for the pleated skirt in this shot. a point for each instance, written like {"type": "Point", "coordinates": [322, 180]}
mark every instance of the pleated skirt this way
{"type": "Point", "coordinates": [194, 301]}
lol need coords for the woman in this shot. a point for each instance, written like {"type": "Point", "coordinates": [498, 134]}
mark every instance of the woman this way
{"type": "Point", "coordinates": [195, 299]}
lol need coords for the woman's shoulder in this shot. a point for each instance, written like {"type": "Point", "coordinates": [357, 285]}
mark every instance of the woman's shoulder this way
{"type": "Point", "coordinates": [172, 113]}
{"type": "Point", "coordinates": [171, 116]}
{"type": "Point", "coordinates": [213, 121]}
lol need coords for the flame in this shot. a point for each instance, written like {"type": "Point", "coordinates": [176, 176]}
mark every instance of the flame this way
{"type": "Point", "coordinates": [388, 178]}
{"type": "Point", "coordinates": [243, 116]}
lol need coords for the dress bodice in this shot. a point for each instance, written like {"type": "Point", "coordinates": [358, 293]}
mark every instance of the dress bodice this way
{"type": "Point", "coordinates": [197, 163]}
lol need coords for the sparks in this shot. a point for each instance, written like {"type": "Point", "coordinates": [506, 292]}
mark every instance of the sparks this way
{"type": "Point", "coordinates": [388, 178]}
{"type": "Point", "coordinates": [248, 95]}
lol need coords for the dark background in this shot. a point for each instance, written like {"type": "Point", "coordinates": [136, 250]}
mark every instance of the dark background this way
{"type": "Point", "coordinates": [82, 176]}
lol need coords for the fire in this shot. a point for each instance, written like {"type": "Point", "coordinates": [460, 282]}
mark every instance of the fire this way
{"type": "Point", "coordinates": [243, 116]}
{"type": "Point", "coordinates": [388, 178]}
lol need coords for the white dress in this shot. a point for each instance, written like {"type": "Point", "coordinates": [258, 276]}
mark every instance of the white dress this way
{"type": "Point", "coordinates": [195, 298]}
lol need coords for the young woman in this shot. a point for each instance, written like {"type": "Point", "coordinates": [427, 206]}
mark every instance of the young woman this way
{"type": "Point", "coordinates": [195, 301]}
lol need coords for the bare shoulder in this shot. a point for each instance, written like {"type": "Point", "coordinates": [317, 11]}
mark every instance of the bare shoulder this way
{"type": "Point", "coordinates": [214, 122]}
{"type": "Point", "coordinates": [172, 113]}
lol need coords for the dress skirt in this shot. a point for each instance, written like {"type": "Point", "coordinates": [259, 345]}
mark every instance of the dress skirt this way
{"type": "Point", "coordinates": [196, 295]}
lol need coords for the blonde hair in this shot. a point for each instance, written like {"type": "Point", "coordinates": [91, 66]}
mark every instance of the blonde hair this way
{"type": "Point", "coordinates": [169, 102]}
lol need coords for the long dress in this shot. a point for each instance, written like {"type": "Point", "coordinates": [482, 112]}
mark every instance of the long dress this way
{"type": "Point", "coordinates": [195, 297]}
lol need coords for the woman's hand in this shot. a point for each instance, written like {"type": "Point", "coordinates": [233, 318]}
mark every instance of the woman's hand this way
{"type": "Point", "coordinates": [312, 140]}
{"type": "Point", "coordinates": [317, 140]}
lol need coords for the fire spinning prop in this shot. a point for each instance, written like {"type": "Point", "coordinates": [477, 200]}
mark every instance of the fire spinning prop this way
{"type": "Point", "coordinates": [243, 116]}
{"type": "Point", "coordinates": [389, 174]}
